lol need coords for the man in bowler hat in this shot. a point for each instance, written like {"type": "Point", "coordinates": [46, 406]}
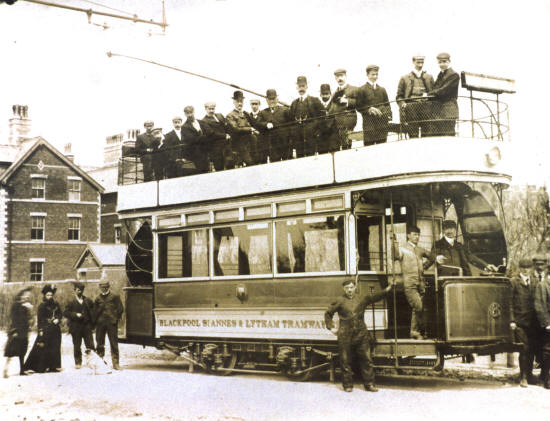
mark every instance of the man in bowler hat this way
{"type": "Point", "coordinates": [272, 123]}
{"type": "Point", "coordinates": [243, 135]}
{"type": "Point", "coordinates": [108, 311]}
{"type": "Point", "coordinates": [352, 333]}
{"type": "Point", "coordinates": [79, 313]}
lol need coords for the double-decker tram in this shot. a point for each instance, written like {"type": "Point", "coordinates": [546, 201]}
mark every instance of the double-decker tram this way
{"type": "Point", "coordinates": [245, 261]}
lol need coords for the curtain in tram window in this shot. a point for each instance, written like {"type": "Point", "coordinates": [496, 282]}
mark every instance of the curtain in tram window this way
{"type": "Point", "coordinates": [259, 255]}
{"type": "Point", "coordinates": [321, 254]}
{"type": "Point", "coordinates": [291, 258]}
{"type": "Point", "coordinates": [228, 255]}
{"type": "Point", "coordinates": [174, 256]}
{"type": "Point", "coordinates": [199, 253]}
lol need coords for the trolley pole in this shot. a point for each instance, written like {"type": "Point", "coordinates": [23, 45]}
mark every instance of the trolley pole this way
{"type": "Point", "coordinates": [392, 234]}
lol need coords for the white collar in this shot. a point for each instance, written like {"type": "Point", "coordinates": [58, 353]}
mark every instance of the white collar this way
{"type": "Point", "coordinates": [525, 279]}
{"type": "Point", "coordinates": [79, 299]}
{"type": "Point", "coordinates": [449, 240]}
{"type": "Point", "coordinates": [412, 244]}
{"type": "Point", "coordinates": [417, 73]}
{"type": "Point", "coordinates": [374, 85]}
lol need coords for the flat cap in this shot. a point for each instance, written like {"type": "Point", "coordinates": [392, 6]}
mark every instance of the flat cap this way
{"type": "Point", "coordinates": [301, 79]}
{"type": "Point", "coordinates": [325, 88]}
{"type": "Point", "coordinates": [339, 72]}
{"type": "Point", "coordinates": [371, 67]}
{"type": "Point", "coordinates": [443, 56]}
{"type": "Point", "coordinates": [254, 101]}
{"type": "Point", "coordinates": [78, 285]}
{"type": "Point", "coordinates": [449, 223]}
{"type": "Point", "coordinates": [189, 109]}
{"type": "Point", "coordinates": [271, 94]}
{"type": "Point", "coordinates": [412, 228]}
{"type": "Point", "coordinates": [177, 117]}
{"type": "Point", "coordinates": [418, 56]}
{"type": "Point", "coordinates": [148, 123]}
{"type": "Point", "coordinates": [210, 104]}
{"type": "Point", "coordinates": [104, 284]}
{"type": "Point", "coordinates": [539, 258]}
{"type": "Point", "coordinates": [238, 95]}
{"type": "Point", "coordinates": [347, 281]}
{"type": "Point", "coordinates": [525, 263]}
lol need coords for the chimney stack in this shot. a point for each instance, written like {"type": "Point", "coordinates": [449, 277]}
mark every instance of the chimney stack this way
{"type": "Point", "coordinates": [116, 144]}
{"type": "Point", "coordinates": [19, 124]}
{"type": "Point", "coordinates": [67, 151]}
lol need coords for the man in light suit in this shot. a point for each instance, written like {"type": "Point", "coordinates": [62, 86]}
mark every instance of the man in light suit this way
{"type": "Point", "coordinates": [445, 92]}
{"type": "Point", "coordinates": [414, 108]}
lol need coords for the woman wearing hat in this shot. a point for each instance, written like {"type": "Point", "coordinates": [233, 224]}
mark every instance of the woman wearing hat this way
{"type": "Point", "coordinates": [18, 333]}
{"type": "Point", "coordinates": [45, 354]}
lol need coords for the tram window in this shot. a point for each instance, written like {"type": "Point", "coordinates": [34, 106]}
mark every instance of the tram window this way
{"type": "Point", "coordinates": [315, 244]}
{"type": "Point", "coordinates": [426, 239]}
{"type": "Point", "coordinates": [243, 250]}
{"type": "Point", "coordinates": [481, 224]}
{"type": "Point", "coordinates": [184, 254]}
{"type": "Point", "coordinates": [370, 245]}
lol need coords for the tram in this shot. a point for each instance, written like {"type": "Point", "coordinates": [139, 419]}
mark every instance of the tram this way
{"type": "Point", "coordinates": [233, 270]}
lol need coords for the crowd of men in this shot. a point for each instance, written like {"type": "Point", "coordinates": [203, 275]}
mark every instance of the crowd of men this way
{"type": "Point", "coordinates": [309, 126]}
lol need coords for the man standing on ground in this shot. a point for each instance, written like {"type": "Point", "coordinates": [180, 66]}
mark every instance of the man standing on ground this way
{"type": "Point", "coordinates": [353, 334]}
{"type": "Point", "coordinates": [79, 312]}
{"type": "Point", "coordinates": [542, 308]}
{"type": "Point", "coordinates": [523, 319]}
{"type": "Point", "coordinates": [108, 311]}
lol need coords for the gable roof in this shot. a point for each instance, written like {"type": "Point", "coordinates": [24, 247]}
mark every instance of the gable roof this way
{"type": "Point", "coordinates": [104, 254]}
{"type": "Point", "coordinates": [33, 146]}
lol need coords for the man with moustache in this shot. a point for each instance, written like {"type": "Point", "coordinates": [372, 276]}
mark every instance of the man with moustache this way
{"type": "Point", "coordinates": [79, 313]}
{"type": "Point", "coordinates": [192, 133]}
{"type": "Point", "coordinates": [217, 140]}
{"type": "Point", "coordinates": [273, 125]}
{"type": "Point", "coordinates": [414, 108]}
{"type": "Point", "coordinates": [328, 136]}
{"type": "Point", "coordinates": [305, 111]}
{"type": "Point", "coordinates": [172, 149]}
{"type": "Point", "coordinates": [108, 310]}
{"type": "Point", "coordinates": [445, 92]}
{"type": "Point", "coordinates": [242, 133]}
{"type": "Point", "coordinates": [147, 149]}
{"type": "Point", "coordinates": [253, 115]}
{"type": "Point", "coordinates": [373, 104]}
{"type": "Point", "coordinates": [343, 102]}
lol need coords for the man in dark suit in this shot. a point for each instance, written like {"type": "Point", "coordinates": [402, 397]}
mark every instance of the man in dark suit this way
{"type": "Point", "coordinates": [147, 149]}
{"type": "Point", "coordinates": [445, 92]}
{"type": "Point", "coordinates": [542, 308]}
{"type": "Point", "coordinates": [217, 139]}
{"type": "Point", "coordinates": [108, 310]}
{"type": "Point", "coordinates": [373, 104]}
{"type": "Point", "coordinates": [273, 126]}
{"type": "Point", "coordinates": [253, 117]}
{"type": "Point", "coordinates": [79, 313]}
{"type": "Point", "coordinates": [523, 319]}
{"type": "Point", "coordinates": [328, 133]}
{"type": "Point", "coordinates": [305, 111]}
{"type": "Point", "coordinates": [192, 133]}
{"type": "Point", "coordinates": [414, 107]}
{"type": "Point", "coordinates": [172, 149]}
{"type": "Point", "coordinates": [343, 103]}
{"type": "Point", "coordinates": [243, 135]}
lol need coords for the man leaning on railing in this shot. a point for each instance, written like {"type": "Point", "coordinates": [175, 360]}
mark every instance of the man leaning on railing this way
{"type": "Point", "coordinates": [445, 91]}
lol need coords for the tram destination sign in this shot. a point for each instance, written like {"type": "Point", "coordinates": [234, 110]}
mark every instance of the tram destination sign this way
{"type": "Point", "coordinates": [269, 324]}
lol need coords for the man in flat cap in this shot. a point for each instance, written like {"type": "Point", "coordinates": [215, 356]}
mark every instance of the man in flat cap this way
{"type": "Point", "coordinates": [374, 106]}
{"type": "Point", "coordinates": [412, 91]}
{"type": "Point", "coordinates": [193, 135]}
{"type": "Point", "coordinates": [253, 116]}
{"type": "Point", "coordinates": [448, 251]}
{"type": "Point", "coordinates": [217, 138]}
{"type": "Point", "coordinates": [344, 101]}
{"type": "Point", "coordinates": [273, 126]}
{"type": "Point", "coordinates": [539, 266]}
{"type": "Point", "coordinates": [523, 319]}
{"type": "Point", "coordinates": [353, 335]}
{"type": "Point", "coordinates": [243, 135]}
{"type": "Point", "coordinates": [79, 313]}
{"type": "Point", "coordinates": [328, 135]}
{"type": "Point", "coordinates": [305, 111]}
{"type": "Point", "coordinates": [172, 149]}
{"type": "Point", "coordinates": [445, 92]}
{"type": "Point", "coordinates": [412, 267]}
{"type": "Point", "coordinates": [108, 310]}
{"type": "Point", "coordinates": [147, 149]}
{"type": "Point", "coordinates": [542, 308]}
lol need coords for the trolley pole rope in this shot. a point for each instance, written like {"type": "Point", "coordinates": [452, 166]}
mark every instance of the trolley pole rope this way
{"type": "Point", "coordinates": [111, 54]}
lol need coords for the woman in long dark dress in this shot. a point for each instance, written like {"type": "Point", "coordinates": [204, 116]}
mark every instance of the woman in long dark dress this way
{"type": "Point", "coordinates": [18, 333]}
{"type": "Point", "coordinates": [45, 354]}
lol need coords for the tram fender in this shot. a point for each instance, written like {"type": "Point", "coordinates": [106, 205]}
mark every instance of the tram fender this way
{"type": "Point", "coordinates": [480, 349]}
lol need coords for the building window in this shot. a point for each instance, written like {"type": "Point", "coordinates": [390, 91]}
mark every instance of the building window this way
{"type": "Point", "coordinates": [37, 227]}
{"type": "Point", "coordinates": [37, 271]}
{"type": "Point", "coordinates": [118, 234]}
{"type": "Point", "coordinates": [38, 188]}
{"type": "Point", "coordinates": [74, 190]}
{"type": "Point", "coordinates": [74, 228]}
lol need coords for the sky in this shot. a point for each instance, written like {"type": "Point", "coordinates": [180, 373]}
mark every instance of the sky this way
{"type": "Point", "coordinates": [55, 62]}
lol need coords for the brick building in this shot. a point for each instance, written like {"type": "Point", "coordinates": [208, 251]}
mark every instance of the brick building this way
{"type": "Point", "coordinates": [49, 207]}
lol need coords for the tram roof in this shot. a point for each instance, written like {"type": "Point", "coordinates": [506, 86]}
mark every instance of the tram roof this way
{"type": "Point", "coordinates": [395, 163]}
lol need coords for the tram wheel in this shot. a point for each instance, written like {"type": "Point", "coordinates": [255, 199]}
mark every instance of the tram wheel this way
{"type": "Point", "coordinates": [303, 377]}
{"type": "Point", "coordinates": [228, 363]}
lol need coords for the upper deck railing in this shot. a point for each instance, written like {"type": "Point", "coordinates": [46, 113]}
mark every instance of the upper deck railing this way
{"type": "Point", "coordinates": [468, 117]}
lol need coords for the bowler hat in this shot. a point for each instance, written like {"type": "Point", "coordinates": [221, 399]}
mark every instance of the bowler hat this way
{"type": "Point", "coordinates": [371, 67]}
{"type": "Point", "coordinates": [301, 79]}
{"type": "Point", "coordinates": [238, 95]}
{"type": "Point", "coordinates": [325, 88]}
{"type": "Point", "coordinates": [49, 288]}
{"type": "Point", "coordinates": [443, 56]}
{"type": "Point", "coordinates": [271, 94]}
{"type": "Point", "coordinates": [448, 223]}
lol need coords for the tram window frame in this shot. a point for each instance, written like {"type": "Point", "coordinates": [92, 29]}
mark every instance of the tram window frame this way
{"type": "Point", "coordinates": [163, 264]}
{"type": "Point", "coordinates": [343, 254]}
{"type": "Point", "coordinates": [381, 239]}
{"type": "Point", "coordinates": [215, 250]}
